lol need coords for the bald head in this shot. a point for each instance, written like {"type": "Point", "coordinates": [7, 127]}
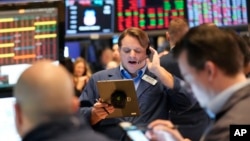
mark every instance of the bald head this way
{"type": "Point", "coordinates": [44, 90]}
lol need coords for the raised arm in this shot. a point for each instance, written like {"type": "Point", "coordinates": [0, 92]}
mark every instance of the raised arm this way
{"type": "Point", "coordinates": [185, 99]}
{"type": "Point", "coordinates": [154, 66]}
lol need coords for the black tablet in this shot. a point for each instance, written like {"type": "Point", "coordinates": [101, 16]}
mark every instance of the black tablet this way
{"type": "Point", "coordinates": [121, 94]}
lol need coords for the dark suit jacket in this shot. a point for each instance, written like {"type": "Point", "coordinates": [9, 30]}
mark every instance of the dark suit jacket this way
{"type": "Point", "coordinates": [152, 102]}
{"type": "Point", "coordinates": [193, 121]}
{"type": "Point", "coordinates": [235, 111]}
{"type": "Point", "coordinates": [64, 129]}
{"type": "Point", "coordinates": [170, 64]}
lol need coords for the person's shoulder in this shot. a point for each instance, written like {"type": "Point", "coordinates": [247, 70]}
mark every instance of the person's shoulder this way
{"type": "Point", "coordinates": [89, 134]}
{"type": "Point", "coordinates": [236, 105]}
{"type": "Point", "coordinates": [86, 134]}
{"type": "Point", "coordinates": [82, 131]}
{"type": "Point", "coordinates": [166, 56]}
{"type": "Point", "coordinates": [106, 71]}
{"type": "Point", "coordinates": [242, 95]}
{"type": "Point", "coordinates": [103, 74]}
{"type": "Point", "coordinates": [167, 60]}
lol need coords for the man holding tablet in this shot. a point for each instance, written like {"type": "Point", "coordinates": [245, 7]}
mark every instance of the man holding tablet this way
{"type": "Point", "coordinates": [152, 83]}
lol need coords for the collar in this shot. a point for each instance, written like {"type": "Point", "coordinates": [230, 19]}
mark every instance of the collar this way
{"type": "Point", "coordinates": [125, 74]}
{"type": "Point", "coordinates": [215, 106]}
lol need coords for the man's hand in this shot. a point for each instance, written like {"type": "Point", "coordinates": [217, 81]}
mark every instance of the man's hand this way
{"type": "Point", "coordinates": [155, 67]}
{"type": "Point", "coordinates": [100, 111]}
{"type": "Point", "coordinates": [154, 61]}
{"type": "Point", "coordinates": [81, 82]}
{"type": "Point", "coordinates": [164, 130]}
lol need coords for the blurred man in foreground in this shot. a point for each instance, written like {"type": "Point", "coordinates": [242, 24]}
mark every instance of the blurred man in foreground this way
{"type": "Point", "coordinates": [45, 106]}
{"type": "Point", "coordinates": [212, 66]}
{"type": "Point", "coordinates": [192, 121]}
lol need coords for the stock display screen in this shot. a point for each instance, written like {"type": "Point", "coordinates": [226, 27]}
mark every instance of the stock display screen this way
{"type": "Point", "coordinates": [27, 34]}
{"type": "Point", "coordinates": [147, 14]}
{"type": "Point", "coordinates": [221, 12]}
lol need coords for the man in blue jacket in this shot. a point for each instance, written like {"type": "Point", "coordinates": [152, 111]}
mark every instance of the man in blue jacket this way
{"type": "Point", "coordinates": [134, 49]}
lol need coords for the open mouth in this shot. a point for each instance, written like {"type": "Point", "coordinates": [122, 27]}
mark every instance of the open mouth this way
{"type": "Point", "coordinates": [132, 62]}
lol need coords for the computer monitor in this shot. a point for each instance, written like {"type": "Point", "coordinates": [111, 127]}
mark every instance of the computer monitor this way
{"type": "Point", "coordinates": [29, 31]}
{"type": "Point", "coordinates": [224, 13]}
{"type": "Point", "coordinates": [8, 130]}
{"type": "Point", "coordinates": [147, 14]}
{"type": "Point", "coordinates": [89, 17]}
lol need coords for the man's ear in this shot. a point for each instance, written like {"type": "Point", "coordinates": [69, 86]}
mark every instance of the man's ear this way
{"type": "Point", "coordinates": [18, 112]}
{"type": "Point", "coordinates": [167, 36]}
{"type": "Point", "coordinates": [18, 117]}
{"type": "Point", "coordinates": [211, 70]}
